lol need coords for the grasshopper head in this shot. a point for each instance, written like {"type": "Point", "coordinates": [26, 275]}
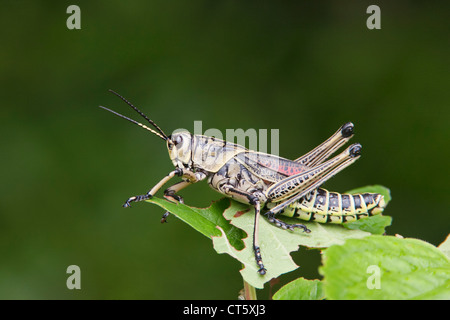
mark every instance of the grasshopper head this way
{"type": "Point", "coordinates": [179, 147]}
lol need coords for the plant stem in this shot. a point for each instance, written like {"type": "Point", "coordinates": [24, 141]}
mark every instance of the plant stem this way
{"type": "Point", "coordinates": [249, 291]}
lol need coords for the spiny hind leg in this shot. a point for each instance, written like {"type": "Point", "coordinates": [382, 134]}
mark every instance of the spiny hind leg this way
{"type": "Point", "coordinates": [281, 224]}
{"type": "Point", "coordinates": [306, 181]}
{"type": "Point", "coordinates": [328, 147]}
{"type": "Point", "coordinates": [314, 179]}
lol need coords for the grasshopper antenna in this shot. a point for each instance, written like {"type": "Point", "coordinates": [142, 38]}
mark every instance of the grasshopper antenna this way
{"type": "Point", "coordinates": [164, 136]}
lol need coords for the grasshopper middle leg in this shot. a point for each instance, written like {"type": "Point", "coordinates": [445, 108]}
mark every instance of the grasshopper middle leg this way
{"type": "Point", "coordinates": [171, 195]}
{"type": "Point", "coordinates": [253, 199]}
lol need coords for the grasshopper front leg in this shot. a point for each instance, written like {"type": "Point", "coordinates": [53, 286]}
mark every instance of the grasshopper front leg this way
{"type": "Point", "coordinates": [191, 176]}
{"type": "Point", "coordinates": [149, 195]}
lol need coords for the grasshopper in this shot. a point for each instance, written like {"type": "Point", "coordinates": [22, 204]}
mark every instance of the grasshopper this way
{"type": "Point", "coordinates": [271, 184]}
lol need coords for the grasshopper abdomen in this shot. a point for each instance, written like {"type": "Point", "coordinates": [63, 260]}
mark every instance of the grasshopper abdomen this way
{"type": "Point", "coordinates": [324, 206]}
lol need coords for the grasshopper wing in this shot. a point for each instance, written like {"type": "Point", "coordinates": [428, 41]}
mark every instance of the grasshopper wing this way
{"type": "Point", "coordinates": [269, 167]}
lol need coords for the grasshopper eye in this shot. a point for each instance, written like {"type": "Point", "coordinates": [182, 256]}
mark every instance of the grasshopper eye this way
{"type": "Point", "coordinates": [178, 140]}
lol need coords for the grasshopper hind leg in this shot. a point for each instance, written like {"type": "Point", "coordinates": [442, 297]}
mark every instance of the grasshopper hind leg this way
{"type": "Point", "coordinates": [281, 224]}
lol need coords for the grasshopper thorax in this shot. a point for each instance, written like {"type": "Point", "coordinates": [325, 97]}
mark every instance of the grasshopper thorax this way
{"type": "Point", "coordinates": [179, 146]}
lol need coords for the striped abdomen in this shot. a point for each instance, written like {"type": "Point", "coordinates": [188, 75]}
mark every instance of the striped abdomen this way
{"type": "Point", "coordinates": [324, 206]}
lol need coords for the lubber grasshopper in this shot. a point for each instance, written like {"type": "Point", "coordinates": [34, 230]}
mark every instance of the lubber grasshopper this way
{"type": "Point", "coordinates": [270, 183]}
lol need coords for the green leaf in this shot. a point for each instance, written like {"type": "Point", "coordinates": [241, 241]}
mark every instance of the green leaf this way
{"type": "Point", "coordinates": [276, 243]}
{"type": "Point", "coordinates": [205, 220]}
{"type": "Point", "coordinates": [375, 224]}
{"type": "Point", "coordinates": [385, 267]}
{"type": "Point", "coordinates": [300, 289]}
{"type": "Point", "coordinates": [230, 225]}
{"type": "Point", "coordinates": [445, 246]}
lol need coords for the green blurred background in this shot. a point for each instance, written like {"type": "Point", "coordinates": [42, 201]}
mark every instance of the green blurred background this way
{"type": "Point", "coordinates": [301, 67]}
